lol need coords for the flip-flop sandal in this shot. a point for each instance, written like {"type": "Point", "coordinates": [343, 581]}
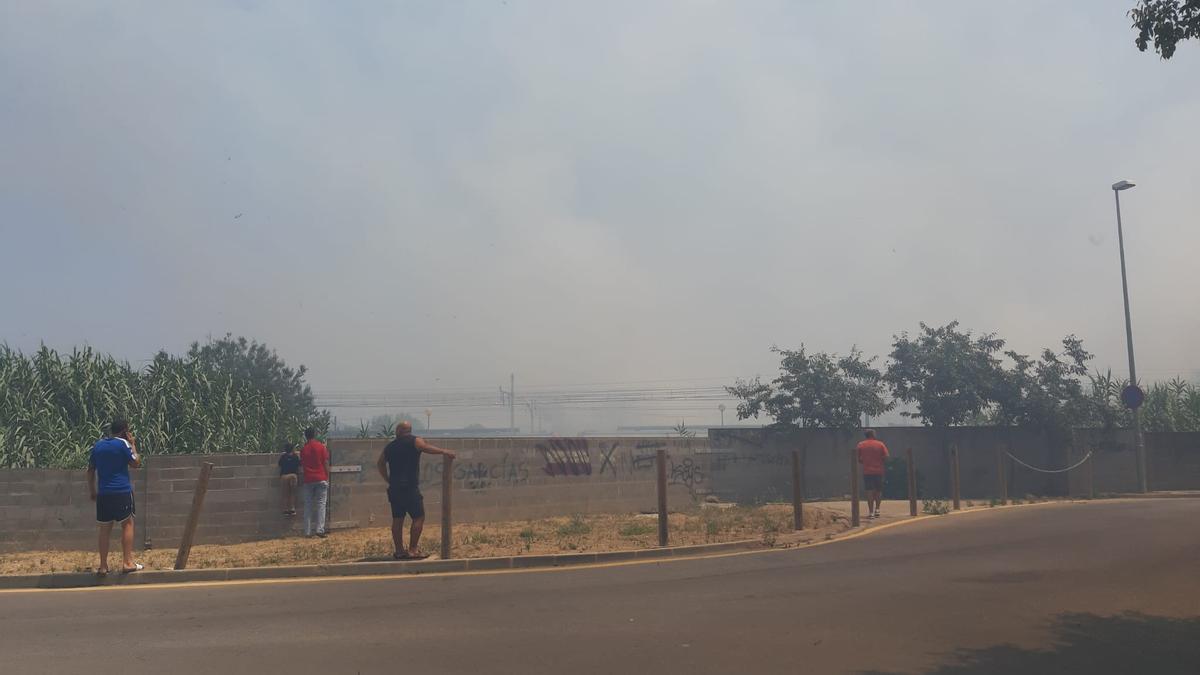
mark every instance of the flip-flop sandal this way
{"type": "Point", "coordinates": [419, 556]}
{"type": "Point", "coordinates": [101, 573]}
{"type": "Point", "coordinates": [400, 556]}
{"type": "Point", "coordinates": [137, 567]}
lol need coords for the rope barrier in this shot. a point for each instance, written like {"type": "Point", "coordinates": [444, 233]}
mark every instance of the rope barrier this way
{"type": "Point", "coordinates": [1073, 466]}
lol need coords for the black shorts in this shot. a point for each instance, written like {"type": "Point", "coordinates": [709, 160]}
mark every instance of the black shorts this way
{"type": "Point", "coordinates": [407, 501]}
{"type": "Point", "coordinates": [114, 508]}
{"type": "Point", "coordinates": [873, 483]}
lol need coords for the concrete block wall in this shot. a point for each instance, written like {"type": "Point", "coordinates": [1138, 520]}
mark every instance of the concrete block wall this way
{"type": "Point", "coordinates": [520, 478]}
{"type": "Point", "coordinates": [507, 479]}
{"type": "Point", "coordinates": [244, 501]}
{"type": "Point", "coordinates": [1172, 461]}
{"type": "Point", "coordinates": [47, 509]}
{"type": "Point", "coordinates": [763, 461]}
{"type": "Point", "coordinates": [493, 479]}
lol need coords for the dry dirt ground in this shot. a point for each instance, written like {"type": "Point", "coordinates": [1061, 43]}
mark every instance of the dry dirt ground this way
{"type": "Point", "coordinates": [772, 524]}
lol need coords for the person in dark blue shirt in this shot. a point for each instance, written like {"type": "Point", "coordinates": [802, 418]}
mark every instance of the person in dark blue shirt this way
{"type": "Point", "coordinates": [400, 466]}
{"type": "Point", "coordinates": [111, 489]}
{"type": "Point", "coordinates": [289, 476]}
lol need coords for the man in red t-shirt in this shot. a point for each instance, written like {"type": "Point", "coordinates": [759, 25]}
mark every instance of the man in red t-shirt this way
{"type": "Point", "coordinates": [314, 460]}
{"type": "Point", "coordinates": [871, 454]}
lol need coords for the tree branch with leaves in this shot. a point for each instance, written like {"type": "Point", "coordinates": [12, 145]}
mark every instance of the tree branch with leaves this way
{"type": "Point", "coordinates": [1165, 23]}
{"type": "Point", "coordinates": [815, 390]}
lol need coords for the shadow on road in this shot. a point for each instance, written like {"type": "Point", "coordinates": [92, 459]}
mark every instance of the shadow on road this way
{"type": "Point", "coordinates": [1087, 643]}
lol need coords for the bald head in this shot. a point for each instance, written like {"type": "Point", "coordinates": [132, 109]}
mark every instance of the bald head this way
{"type": "Point", "coordinates": [404, 429]}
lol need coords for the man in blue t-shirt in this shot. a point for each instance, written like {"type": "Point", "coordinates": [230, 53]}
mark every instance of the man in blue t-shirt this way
{"type": "Point", "coordinates": [111, 489]}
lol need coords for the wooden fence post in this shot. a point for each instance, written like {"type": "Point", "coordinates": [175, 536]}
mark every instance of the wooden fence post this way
{"type": "Point", "coordinates": [661, 460]}
{"type": "Point", "coordinates": [954, 482]}
{"type": "Point", "coordinates": [447, 482]}
{"type": "Point", "coordinates": [912, 485]}
{"type": "Point", "coordinates": [854, 519]}
{"type": "Point", "coordinates": [1001, 483]}
{"type": "Point", "coordinates": [189, 530]}
{"type": "Point", "coordinates": [797, 493]}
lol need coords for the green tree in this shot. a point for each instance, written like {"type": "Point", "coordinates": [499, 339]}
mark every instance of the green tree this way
{"type": "Point", "coordinates": [950, 376]}
{"type": "Point", "coordinates": [1164, 23]}
{"type": "Point", "coordinates": [815, 390]}
{"type": "Point", "coordinates": [1048, 393]}
{"type": "Point", "coordinates": [260, 367]}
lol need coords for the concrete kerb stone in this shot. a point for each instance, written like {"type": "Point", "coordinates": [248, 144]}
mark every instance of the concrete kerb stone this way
{"type": "Point", "coordinates": [1171, 494]}
{"type": "Point", "coordinates": [615, 556]}
{"type": "Point", "coordinates": [653, 553]}
{"type": "Point", "coordinates": [427, 566]}
{"type": "Point", "coordinates": [522, 561]}
{"type": "Point", "coordinates": [83, 579]}
{"type": "Point", "coordinates": [574, 559]}
{"type": "Point", "coordinates": [684, 551]}
{"type": "Point", "coordinates": [502, 563]}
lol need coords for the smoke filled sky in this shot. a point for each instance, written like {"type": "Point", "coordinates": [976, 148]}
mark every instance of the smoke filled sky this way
{"type": "Point", "coordinates": [435, 195]}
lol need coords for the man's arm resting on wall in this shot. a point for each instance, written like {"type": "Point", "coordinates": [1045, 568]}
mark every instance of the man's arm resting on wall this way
{"type": "Point", "coordinates": [431, 449]}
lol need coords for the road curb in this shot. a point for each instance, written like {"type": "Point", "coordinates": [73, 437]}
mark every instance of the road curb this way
{"type": "Point", "coordinates": [1175, 494]}
{"type": "Point", "coordinates": [399, 568]}
{"type": "Point", "coordinates": [65, 580]}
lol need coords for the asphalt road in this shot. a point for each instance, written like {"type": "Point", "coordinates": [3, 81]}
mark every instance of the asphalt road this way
{"type": "Point", "coordinates": [1107, 587]}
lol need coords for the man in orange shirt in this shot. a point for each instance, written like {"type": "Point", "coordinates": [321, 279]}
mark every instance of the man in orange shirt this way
{"type": "Point", "coordinates": [871, 454]}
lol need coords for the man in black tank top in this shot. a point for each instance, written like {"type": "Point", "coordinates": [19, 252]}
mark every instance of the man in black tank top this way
{"type": "Point", "coordinates": [400, 466]}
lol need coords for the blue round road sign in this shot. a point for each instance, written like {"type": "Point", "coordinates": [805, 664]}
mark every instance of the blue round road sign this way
{"type": "Point", "coordinates": [1133, 396]}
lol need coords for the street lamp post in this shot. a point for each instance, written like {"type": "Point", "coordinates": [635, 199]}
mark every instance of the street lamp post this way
{"type": "Point", "coordinates": [1138, 443]}
{"type": "Point", "coordinates": [428, 417]}
{"type": "Point", "coordinates": [721, 407]}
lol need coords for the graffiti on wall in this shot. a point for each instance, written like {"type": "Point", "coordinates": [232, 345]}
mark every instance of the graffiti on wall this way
{"type": "Point", "coordinates": [725, 440]}
{"type": "Point", "coordinates": [480, 475]}
{"type": "Point", "coordinates": [721, 461]}
{"type": "Point", "coordinates": [566, 457]}
{"type": "Point", "coordinates": [644, 454]}
{"type": "Point", "coordinates": [607, 462]}
{"type": "Point", "coordinates": [688, 473]}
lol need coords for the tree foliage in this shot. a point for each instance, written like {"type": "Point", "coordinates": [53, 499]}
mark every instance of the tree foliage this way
{"type": "Point", "coordinates": [953, 377]}
{"type": "Point", "coordinates": [256, 365]}
{"type": "Point", "coordinates": [950, 376]}
{"type": "Point", "coordinates": [54, 407]}
{"type": "Point", "coordinates": [1165, 23]}
{"type": "Point", "coordinates": [1048, 393]}
{"type": "Point", "coordinates": [815, 390]}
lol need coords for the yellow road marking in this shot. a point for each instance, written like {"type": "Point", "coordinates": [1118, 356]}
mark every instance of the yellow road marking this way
{"type": "Point", "coordinates": [565, 568]}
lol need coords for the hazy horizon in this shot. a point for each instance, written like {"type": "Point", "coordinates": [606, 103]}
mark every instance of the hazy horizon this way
{"type": "Point", "coordinates": [417, 201]}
